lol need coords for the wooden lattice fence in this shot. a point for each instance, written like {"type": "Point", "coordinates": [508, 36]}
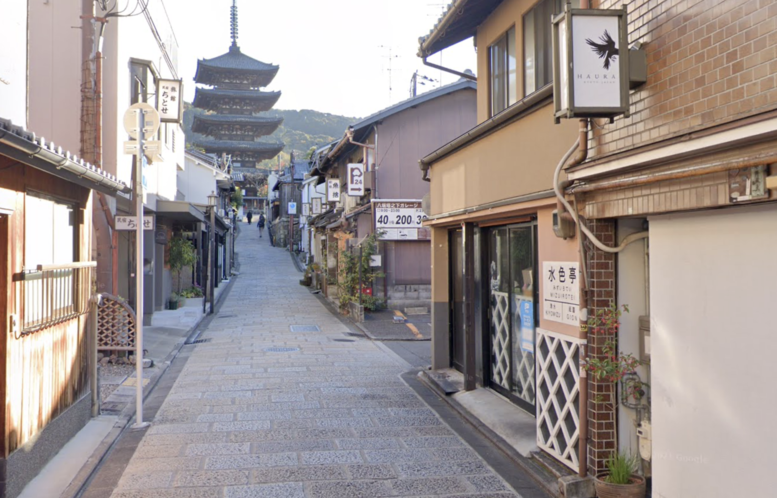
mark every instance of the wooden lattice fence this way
{"type": "Point", "coordinates": [115, 324]}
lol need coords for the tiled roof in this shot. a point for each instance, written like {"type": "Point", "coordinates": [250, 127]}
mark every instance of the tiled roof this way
{"type": "Point", "coordinates": [235, 59]}
{"type": "Point", "coordinates": [27, 148]}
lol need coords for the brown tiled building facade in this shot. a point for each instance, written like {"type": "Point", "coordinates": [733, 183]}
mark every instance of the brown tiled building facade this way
{"type": "Point", "coordinates": [709, 62]}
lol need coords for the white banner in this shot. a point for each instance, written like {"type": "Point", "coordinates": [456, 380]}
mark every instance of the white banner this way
{"type": "Point", "coordinates": [561, 292]}
{"type": "Point", "coordinates": [333, 190]}
{"type": "Point", "coordinates": [355, 180]}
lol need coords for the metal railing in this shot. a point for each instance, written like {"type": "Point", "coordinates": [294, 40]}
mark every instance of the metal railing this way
{"type": "Point", "coordinates": [51, 294]}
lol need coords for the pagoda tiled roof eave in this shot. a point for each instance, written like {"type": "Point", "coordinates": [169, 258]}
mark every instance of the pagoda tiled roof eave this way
{"type": "Point", "coordinates": [235, 59]}
{"type": "Point", "coordinates": [237, 119]}
{"type": "Point", "coordinates": [209, 75]}
{"type": "Point", "coordinates": [243, 94]}
{"type": "Point", "coordinates": [238, 146]}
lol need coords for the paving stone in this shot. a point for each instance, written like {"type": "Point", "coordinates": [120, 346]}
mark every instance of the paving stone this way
{"type": "Point", "coordinates": [170, 493]}
{"type": "Point", "coordinates": [244, 425]}
{"type": "Point", "coordinates": [285, 490]}
{"type": "Point", "coordinates": [349, 489]}
{"type": "Point", "coordinates": [330, 457]}
{"type": "Point", "coordinates": [173, 439]}
{"type": "Point", "coordinates": [178, 428]}
{"type": "Point", "coordinates": [431, 469]}
{"type": "Point", "coordinates": [216, 417]}
{"type": "Point", "coordinates": [217, 449]}
{"type": "Point", "coordinates": [391, 456]}
{"type": "Point", "coordinates": [486, 483]}
{"type": "Point", "coordinates": [145, 480]}
{"type": "Point", "coordinates": [406, 421]}
{"type": "Point", "coordinates": [212, 478]}
{"type": "Point", "coordinates": [453, 454]}
{"type": "Point", "coordinates": [433, 442]}
{"type": "Point", "coordinates": [372, 472]}
{"type": "Point", "coordinates": [368, 444]}
{"type": "Point", "coordinates": [428, 486]}
{"type": "Point", "coordinates": [167, 463]}
{"type": "Point", "coordinates": [251, 461]}
{"type": "Point", "coordinates": [294, 445]}
{"type": "Point", "coordinates": [299, 474]}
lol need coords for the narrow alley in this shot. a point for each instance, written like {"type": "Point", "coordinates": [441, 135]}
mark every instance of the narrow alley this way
{"type": "Point", "coordinates": [282, 399]}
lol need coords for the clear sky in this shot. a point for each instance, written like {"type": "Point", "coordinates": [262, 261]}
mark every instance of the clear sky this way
{"type": "Point", "coordinates": [348, 57]}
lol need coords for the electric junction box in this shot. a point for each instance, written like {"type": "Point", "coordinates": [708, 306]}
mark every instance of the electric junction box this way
{"type": "Point", "coordinates": [563, 226]}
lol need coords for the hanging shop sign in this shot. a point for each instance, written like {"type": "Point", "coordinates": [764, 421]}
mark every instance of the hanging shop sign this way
{"type": "Point", "coordinates": [333, 190]}
{"type": "Point", "coordinates": [316, 206]}
{"type": "Point", "coordinates": [169, 100]}
{"type": "Point", "coordinates": [131, 222]}
{"type": "Point", "coordinates": [590, 64]}
{"type": "Point", "coordinates": [561, 292]}
{"type": "Point", "coordinates": [305, 209]}
{"type": "Point", "coordinates": [356, 180]}
{"type": "Point", "coordinates": [399, 219]}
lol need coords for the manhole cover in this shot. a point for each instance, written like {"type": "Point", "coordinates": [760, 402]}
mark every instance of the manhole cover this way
{"type": "Point", "coordinates": [343, 340]}
{"type": "Point", "coordinates": [199, 341]}
{"type": "Point", "coordinates": [354, 334]}
{"type": "Point", "coordinates": [304, 328]}
{"type": "Point", "coordinates": [280, 350]}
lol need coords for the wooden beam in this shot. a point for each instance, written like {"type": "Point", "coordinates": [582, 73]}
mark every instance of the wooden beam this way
{"type": "Point", "coordinates": [468, 248]}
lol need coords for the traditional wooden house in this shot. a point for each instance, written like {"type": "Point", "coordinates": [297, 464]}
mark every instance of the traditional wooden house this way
{"type": "Point", "coordinates": [46, 284]}
{"type": "Point", "coordinates": [385, 195]}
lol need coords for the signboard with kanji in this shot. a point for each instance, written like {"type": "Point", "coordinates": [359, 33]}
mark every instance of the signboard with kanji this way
{"type": "Point", "coordinates": [561, 292]}
{"type": "Point", "coordinates": [400, 219]}
{"type": "Point", "coordinates": [169, 100]}
{"type": "Point", "coordinates": [305, 209]}
{"type": "Point", "coordinates": [356, 180]}
{"type": "Point", "coordinates": [316, 205]}
{"type": "Point", "coordinates": [333, 190]}
{"type": "Point", "coordinates": [131, 223]}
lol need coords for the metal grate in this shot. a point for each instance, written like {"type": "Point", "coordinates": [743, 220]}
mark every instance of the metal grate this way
{"type": "Point", "coordinates": [343, 340]}
{"type": "Point", "coordinates": [280, 350]}
{"type": "Point", "coordinates": [304, 328]}
{"type": "Point", "coordinates": [199, 341]}
{"type": "Point", "coordinates": [558, 381]}
{"type": "Point", "coordinates": [226, 316]}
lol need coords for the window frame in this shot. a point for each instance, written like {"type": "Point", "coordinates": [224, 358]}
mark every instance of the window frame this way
{"type": "Point", "coordinates": [508, 73]}
{"type": "Point", "coordinates": [541, 44]}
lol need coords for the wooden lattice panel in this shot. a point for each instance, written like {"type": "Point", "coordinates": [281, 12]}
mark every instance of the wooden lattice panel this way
{"type": "Point", "coordinates": [115, 324]}
{"type": "Point", "coordinates": [558, 403]}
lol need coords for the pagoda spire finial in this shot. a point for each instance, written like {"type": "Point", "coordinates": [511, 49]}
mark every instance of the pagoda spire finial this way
{"type": "Point", "coordinates": [233, 23]}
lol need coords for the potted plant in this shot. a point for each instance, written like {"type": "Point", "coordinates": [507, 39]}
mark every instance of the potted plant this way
{"type": "Point", "coordinates": [181, 255]}
{"type": "Point", "coordinates": [174, 302]}
{"type": "Point", "coordinates": [621, 479]}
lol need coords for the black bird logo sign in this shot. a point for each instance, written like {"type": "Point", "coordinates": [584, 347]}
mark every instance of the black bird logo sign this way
{"type": "Point", "coordinates": [605, 50]}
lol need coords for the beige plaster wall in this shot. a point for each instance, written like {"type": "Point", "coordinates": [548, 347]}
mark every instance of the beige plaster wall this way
{"type": "Point", "coordinates": [55, 72]}
{"type": "Point", "coordinates": [515, 160]}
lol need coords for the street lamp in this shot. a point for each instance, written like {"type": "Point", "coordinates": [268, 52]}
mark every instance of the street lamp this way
{"type": "Point", "coordinates": [212, 200]}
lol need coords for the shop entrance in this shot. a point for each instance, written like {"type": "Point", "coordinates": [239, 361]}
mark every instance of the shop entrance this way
{"type": "Point", "coordinates": [512, 311]}
{"type": "Point", "coordinates": [456, 293]}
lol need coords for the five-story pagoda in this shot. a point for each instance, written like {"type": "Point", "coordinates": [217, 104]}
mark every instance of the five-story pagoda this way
{"type": "Point", "coordinates": [233, 101]}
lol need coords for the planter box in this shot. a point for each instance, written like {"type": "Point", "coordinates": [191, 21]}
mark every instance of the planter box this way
{"type": "Point", "coordinates": [192, 302]}
{"type": "Point", "coordinates": [356, 312]}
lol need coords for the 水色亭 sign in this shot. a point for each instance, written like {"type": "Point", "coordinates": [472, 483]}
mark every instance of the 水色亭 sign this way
{"type": "Point", "coordinates": [399, 219]}
{"type": "Point", "coordinates": [333, 190]}
{"type": "Point", "coordinates": [561, 292]}
{"type": "Point", "coordinates": [169, 100]}
{"type": "Point", "coordinates": [292, 208]}
{"type": "Point", "coordinates": [316, 205]}
{"type": "Point", "coordinates": [356, 180]}
{"type": "Point", "coordinates": [131, 223]}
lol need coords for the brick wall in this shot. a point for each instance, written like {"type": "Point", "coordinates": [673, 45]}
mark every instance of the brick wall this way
{"type": "Point", "coordinates": [709, 62]}
{"type": "Point", "coordinates": [601, 421]}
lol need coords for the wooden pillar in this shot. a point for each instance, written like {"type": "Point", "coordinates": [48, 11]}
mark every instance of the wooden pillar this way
{"type": "Point", "coordinates": [468, 248]}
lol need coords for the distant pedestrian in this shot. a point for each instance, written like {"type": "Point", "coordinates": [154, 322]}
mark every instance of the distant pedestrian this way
{"type": "Point", "coordinates": [260, 224]}
{"type": "Point", "coordinates": [249, 216]}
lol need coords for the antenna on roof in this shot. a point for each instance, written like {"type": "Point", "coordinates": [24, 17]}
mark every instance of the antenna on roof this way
{"type": "Point", "coordinates": [233, 23]}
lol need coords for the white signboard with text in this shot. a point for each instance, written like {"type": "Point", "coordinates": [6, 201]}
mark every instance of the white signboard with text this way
{"type": "Point", "coordinates": [292, 208]}
{"type": "Point", "coordinates": [169, 101]}
{"type": "Point", "coordinates": [316, 207]}
{"type": "Point", "coordinates": [131, 222]}
{"type": "Point", "coordinates": [561, 292]}
{"type": "Point", "coordinates": [305, 209]}
{"type": "Point", "coordinates": [333, 190]}
{"type": "Point", "coordinates": [400, 219]}
{"type": "Point", "coordinates": [356, 180]}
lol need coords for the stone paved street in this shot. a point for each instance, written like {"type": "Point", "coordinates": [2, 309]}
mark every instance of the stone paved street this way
{"type": "Point", "coordinates": [271, 407]}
